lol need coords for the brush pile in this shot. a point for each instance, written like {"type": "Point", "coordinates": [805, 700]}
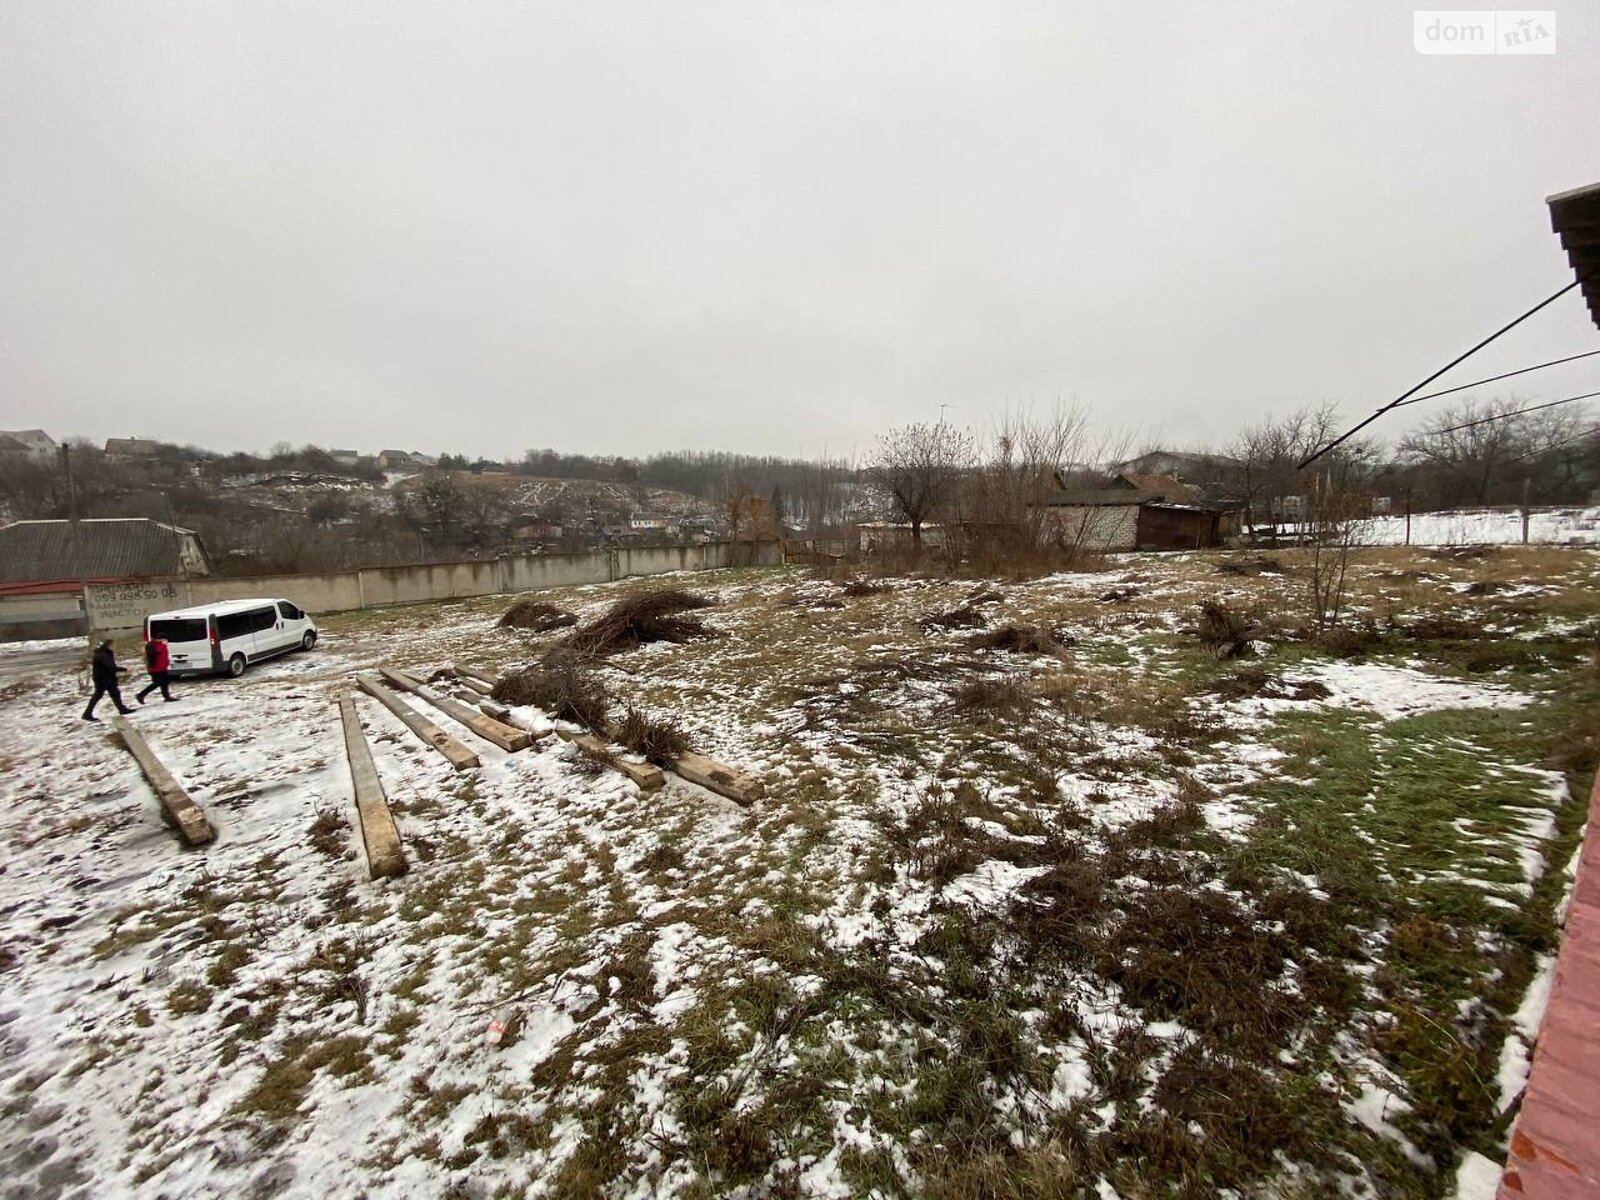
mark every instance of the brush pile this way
{"type": "Point", "coordinates": [563, 685]}
{"type": "Point", "coordinates": [537, 616]}
{"type": "Point", "coordinates": [652, 616]}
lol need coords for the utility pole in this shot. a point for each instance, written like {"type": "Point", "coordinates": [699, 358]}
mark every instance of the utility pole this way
{"type": "Point", "coordinates": [75, 542]}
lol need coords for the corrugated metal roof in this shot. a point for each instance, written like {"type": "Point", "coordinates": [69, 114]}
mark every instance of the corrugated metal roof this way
{"type": "Point", "coordinates": [1099, 498]}
{"type": "Point", "coordinates": [1575, 216]}
{"type": "Point", "coordinates": [32, 551]}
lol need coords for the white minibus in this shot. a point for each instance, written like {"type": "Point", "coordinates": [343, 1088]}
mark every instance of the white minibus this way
{"type": "Point", "coordinates": [225, 638]}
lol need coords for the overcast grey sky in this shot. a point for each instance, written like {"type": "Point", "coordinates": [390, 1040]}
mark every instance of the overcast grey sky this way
{"type": "Point", "coordinates": [771, 228]}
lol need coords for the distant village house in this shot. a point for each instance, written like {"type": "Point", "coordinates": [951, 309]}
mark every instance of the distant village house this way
{"type": "Point", "coordinates": [34, 444]}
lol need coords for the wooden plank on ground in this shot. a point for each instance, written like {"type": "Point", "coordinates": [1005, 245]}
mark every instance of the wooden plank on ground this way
{"type": "Point", "coordinates": [183, 814]}
{"type": "Point", "coordinates": [385, 855]}
{"type": "Point", "coordinates": [460, 757]}
{"type": "Point", "coordinates": [473, 673]}
{"type": "Point", "coordinates": [648, 776]}
{"type": "Point", "coordinates": [477, 685]}
{"type": "Point", "coordinates": [507, 737]}
{"type": "Point", "coordinates": [724, 780]}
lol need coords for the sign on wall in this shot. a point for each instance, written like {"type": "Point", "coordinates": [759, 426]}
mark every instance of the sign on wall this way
{"type": "Point", "coordinates": [118, 606]}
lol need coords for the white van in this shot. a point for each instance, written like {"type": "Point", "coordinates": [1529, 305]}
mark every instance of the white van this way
{"type": "Point", "coordinates": [223, 639]}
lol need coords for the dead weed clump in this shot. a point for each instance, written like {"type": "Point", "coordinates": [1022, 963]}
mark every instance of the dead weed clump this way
{"type": "Point", "coordinates": [1248, 682]}
{"type": "Point", "coordinates": [537, 616]}
{"type": "Point", "coordinates": [1260, 565]}
{"type": "Point", "coordinates": [863, 587]}
{"type": "Point", "coordinates": [1022, 639]}
{"type": "Point", "coordinates": [659, 739]}
{"type": "Point", "coordinates": [962, 617]}
{"type": "Point", "coordinates": [997, 697]}
{"type": "Point", "coordinates": [649, 616]}
{"type": "Point", "coordinates": [1225, 629]}
{"type": "Point", "coordinates": [562, 684]}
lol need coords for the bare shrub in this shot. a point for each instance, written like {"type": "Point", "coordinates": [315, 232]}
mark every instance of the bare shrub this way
{"type": "Point", "coordinates": [659, 739]}
{"type": "Point", "coordinates": [537, 616]}
{"type": "Point", "coordinates": [562, 684]}
{"type": "Point", "coordinates": [650, 616]}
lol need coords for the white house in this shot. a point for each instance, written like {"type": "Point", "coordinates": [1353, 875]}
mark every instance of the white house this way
{"type": "Point", "coordinates": [36, 444]}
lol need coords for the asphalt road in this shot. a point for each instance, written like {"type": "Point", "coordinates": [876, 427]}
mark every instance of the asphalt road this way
{"type": "Point", "coordinates": [14, 667]}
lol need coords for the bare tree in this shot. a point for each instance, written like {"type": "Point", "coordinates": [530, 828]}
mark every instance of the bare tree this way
{"type": "Point", "coordinates": [1266, 475]}
{"type": "Point", "coordinates": [918, 467]}
{"type": "Point", "coordinates": [1004, 507]}
{"type": "Point", "coordinates": [1477, 452]}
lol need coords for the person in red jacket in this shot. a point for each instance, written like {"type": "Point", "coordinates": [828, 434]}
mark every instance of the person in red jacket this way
{"type": "Point", "coordinates": [157, 661]}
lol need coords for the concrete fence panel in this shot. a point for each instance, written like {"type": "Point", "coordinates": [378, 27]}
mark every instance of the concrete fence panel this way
{"type": "Point", "coordinates": [121, 608]}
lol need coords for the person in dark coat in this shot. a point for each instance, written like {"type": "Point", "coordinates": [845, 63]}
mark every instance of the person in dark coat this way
{"type": "Point", "coordinates": [105, 671]}
{"type": "Point", "coordinates": [158, 662]}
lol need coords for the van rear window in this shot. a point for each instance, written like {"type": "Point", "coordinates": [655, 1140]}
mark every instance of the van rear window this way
{"type": "Point", "coordinates": [183, 629]}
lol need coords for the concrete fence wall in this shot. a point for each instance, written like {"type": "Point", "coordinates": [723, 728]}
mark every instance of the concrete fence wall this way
{"type": "Point", "coordinates": [120, 608]}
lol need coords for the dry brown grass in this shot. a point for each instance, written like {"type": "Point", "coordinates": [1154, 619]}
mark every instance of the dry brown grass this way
{"type": "Point", "coordinates": [659, 739]}
{"type": "Point", "coordinates": [1022, 639]}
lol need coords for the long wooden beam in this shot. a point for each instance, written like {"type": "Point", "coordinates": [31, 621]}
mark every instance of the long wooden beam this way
{"type": "Point", "coordinates": [718, 777]}
{"type": "Point", "coordinates": [507, 737]}
{"type": "Point", "coordinates": [738, 786]}
{"type": "Point", "coordinates": [473, 673]}
{"type": "Point", "coordinates": [385, 855]}
{"type": "Point", "coordinates": [182, 813]}
{"type": "Point", "coordinates": [647, 775]}
{"type": "Point", "coordinates": [460, 757]}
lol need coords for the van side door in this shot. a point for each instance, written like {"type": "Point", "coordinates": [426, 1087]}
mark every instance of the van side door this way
{"type": "Point", "coordinates": [263, 624]}
{"type": "Point", "coordinates": [292, 623]}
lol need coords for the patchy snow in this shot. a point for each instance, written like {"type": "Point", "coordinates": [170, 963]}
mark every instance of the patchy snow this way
{"type": "Point", "coordinates": [991, 884]}
{"type": "Point", "coordinates": [1477, 1178]}
{"type": "Point", "coordinates": [42, 644]}
{"type": "Point", "coordinates": [1394, 692]}
{"type": "Point", "coordinates": [548, 894]}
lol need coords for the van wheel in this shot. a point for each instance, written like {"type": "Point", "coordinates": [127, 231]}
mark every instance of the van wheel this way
{"type": "Point", "coordinates": [236, 665]}
{"type": "Point", "coordinates": [309, 640]}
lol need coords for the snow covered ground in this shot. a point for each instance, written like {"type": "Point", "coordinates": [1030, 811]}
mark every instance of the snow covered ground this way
{"type": "Point", "coordinates": [1486, 527]}
{"type": "Point", "coordinates": [945, 942]}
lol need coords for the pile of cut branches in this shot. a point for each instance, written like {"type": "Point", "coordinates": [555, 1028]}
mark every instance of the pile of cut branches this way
{"type": "Point", "coordinates": [651, 616]}
{"type": "Point", "coordinates": [562, 684]}
{"type": "Point", "coordinates": [537, 616]}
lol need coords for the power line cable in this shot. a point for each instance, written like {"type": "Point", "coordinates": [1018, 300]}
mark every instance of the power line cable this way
{"type": "Point", "coordinates": [1507, 416]}
{"type": "Point", "coordinates": [1554, 362]}
{"type": "Point", "coordinates": [1409, 392]}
